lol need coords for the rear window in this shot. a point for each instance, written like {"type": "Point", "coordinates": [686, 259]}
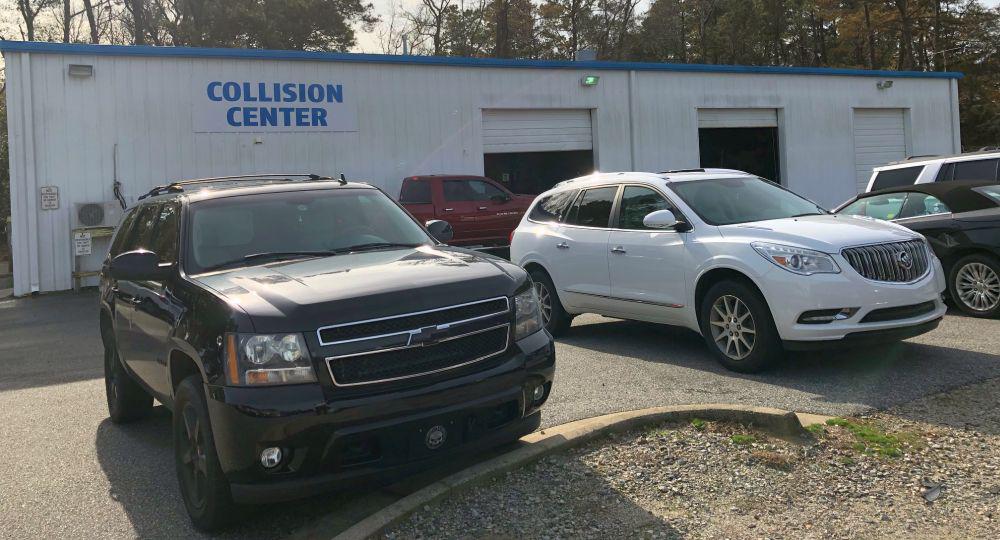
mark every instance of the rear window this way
{"type": "Point", "coordinates": [552, 208]}
{"type": "Point", "coordinates": [906, 176]}
{"type": "Point", "coordinates": [415, 192]}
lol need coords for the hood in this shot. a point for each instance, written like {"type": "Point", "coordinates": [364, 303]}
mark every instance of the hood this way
{"type": "Point", "coordinates": [304, 295]}
{"type": "Point", "coordinates": [827, 233]}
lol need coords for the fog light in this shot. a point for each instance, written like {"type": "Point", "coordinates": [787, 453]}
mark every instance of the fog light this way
{"type": "Point", "coordinates": [270, 457]}
{"type": "Point", "coordinates": [539, 393]}
{"type": "Point", "coordinates": [823, 316]}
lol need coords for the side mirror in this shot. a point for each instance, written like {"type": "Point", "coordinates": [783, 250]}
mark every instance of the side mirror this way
{"type": "Point", "coordinates": [139, 265]}
{"type": "Point", "coordinates": [440, 230]}
{"type": "Point", "coordinates": [665, 219]}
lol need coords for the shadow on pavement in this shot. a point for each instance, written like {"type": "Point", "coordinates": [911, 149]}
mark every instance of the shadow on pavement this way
{"type": "Point", "coordinates": [877, 377]}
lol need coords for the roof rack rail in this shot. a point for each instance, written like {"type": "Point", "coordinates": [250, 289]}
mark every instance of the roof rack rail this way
{"type": "Point", "coordinates": [674, 171]}
{"type": "Point", "coordinates": [178, 186]}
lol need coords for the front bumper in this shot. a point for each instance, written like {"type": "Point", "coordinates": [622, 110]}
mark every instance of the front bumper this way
{"type": "Point", "coordinates": [789, 296]}
{"type": "Point", "coordinates": [333, 444]}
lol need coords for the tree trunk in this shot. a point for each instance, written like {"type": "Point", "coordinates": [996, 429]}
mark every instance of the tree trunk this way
{"type": "Point", "coordinates": [872, 64]}
{"type": "Point", "coordinates": [24, 6]}
{"type": "Point", "coordinates": [67, 19]}
{"type": "Point", "coordinates": [88, 7]}
{"type": "Point", "coordinates": [905, 35]}
{"type": "Point", "coordinates": [139, 21]}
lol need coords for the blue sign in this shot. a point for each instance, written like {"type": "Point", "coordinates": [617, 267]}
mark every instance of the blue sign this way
{"type": "Point", "coordinates": [255, 106]}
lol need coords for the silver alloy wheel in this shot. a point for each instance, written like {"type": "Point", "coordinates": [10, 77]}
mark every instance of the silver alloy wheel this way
{"type": "Point", "coordinates": [978, 286]}
{"type": "Point", "coordinates": [544, 301]}
{"type": "Point", "coordinates": [733, 327]}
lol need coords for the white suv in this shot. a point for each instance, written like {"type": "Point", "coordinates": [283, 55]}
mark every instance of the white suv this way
{"type": "Point", "coordinates": [977, 166]}
{"type": "Point", "coordinates": [750, 265]}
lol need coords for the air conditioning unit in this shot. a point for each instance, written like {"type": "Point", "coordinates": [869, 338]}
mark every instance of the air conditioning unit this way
{"type": "Point", "coordinates": [96, 214]}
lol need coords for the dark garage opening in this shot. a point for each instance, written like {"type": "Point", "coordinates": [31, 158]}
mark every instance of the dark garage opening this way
{"type": "Point", "coordinates": [754, 150]}
{"type": "Point", "coordinates": [534, 172]}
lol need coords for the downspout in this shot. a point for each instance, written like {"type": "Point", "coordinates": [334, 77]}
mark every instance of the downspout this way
{"type": "Point", "coordinates": [632, 83]}
{"type": "Point", "coordinates": [956, 123]}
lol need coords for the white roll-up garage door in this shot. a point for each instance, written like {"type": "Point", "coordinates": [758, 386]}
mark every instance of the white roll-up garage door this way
{"type": "Point", "coordinates": [536, 130]}
{"type": "Point", "coordinates": [879, 137]}
{"type": "Point", "coordinates": [737, 118]}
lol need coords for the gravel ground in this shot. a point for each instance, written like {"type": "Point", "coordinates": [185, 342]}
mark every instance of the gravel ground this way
{"type": "Point", "coordinates": [728, 481]}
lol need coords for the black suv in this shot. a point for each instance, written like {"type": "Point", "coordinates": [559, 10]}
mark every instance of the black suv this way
{"type": "Point", "coordinates": [309, 334]}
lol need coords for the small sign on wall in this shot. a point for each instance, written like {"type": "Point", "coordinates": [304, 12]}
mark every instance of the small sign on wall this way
{"type": "Point", "coordinates": [83, 243]}
{"type": "Point", "coordinates": [49, 197]}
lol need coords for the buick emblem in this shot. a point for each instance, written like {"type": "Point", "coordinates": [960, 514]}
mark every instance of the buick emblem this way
{"type": "Point", "coordinates": [904, 260]}
{"type": "Point", "coordinates": [435, 437]}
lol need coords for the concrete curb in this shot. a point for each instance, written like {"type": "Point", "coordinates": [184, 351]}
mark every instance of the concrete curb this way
{"type": "Point", "coordinates": [558, 438]}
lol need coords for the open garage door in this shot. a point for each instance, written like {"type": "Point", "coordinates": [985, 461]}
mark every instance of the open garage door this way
{"type": "Point", "coordinates": [530, 150]}
{"type": "Point", "coordinates": [879, 137]}
{"type": "Point", "coordinates": [743, 139]}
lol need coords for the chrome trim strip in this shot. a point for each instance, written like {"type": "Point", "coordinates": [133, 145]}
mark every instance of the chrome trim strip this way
{"type": "Point", "coordinates": [876, 258]}
{"type": "Point", "coordinates": [675, 306]}
{"type": "Point", "coordinates": [506, 345]}
{"type": "Point", "coordinates": [445, 325]}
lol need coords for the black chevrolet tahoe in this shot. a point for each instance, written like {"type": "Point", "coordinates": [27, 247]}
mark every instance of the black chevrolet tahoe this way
{"type": "Point", "coordinates": [308, 334]}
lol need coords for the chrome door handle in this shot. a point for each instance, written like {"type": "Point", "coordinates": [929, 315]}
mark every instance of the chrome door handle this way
{"type": "Point", "coordinates": [482, 208]}
{"type": "Point", "coordinates": [618, 249]}
{"type": "Point", "coordinates": [562, 245]}
{"type": "Point", "coordinates": [449, 209]}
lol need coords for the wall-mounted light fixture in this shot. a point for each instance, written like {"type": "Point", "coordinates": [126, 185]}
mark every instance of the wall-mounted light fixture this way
{"type": "Point", "coordinates": [81, 70]}
{"type": "Point", "coordinates": [589, 80]}
{"type": "Point", "coordinates": [883, 85]}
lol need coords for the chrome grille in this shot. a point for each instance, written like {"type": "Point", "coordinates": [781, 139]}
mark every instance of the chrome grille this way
{"type": "Point", "coordinates": [415, 344]}
{"type": "Point", "coordinates": [897, 262]}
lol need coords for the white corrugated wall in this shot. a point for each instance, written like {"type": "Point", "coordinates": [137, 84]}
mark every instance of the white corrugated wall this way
{"type": "Point", "coordinates": [412, 119]}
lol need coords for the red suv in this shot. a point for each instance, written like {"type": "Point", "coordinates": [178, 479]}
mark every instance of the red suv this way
{"type": "Point", "coordinates": [481, 211]}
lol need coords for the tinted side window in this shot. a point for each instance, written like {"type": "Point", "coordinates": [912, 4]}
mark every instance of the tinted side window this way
{"type": "Point", "coordinates": [123, 232]}
{"type": "Point", "coordinates": [896, 177]}
{"type": "Point", "coordinates": [552, 207]}
{"type": "Point", "coordinates": [167, 231]}
{"type": "Point", "coordinates": [981, 169]}
{"type": "Point", "coordinates": [470, 190]}
{"type": "Point", "coordinates": [637, 203]}
{"type": "Point", "coordinates": [593, 208]}
{"type": "Point", "coordinates": [145, 228]}
{"type": "Point", "coordinates": [886, 206]}
{"type": "Point", "coordinates": [416, 192]}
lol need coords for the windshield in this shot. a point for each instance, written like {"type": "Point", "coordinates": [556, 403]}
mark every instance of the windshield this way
{"type": "Point", "coordinates": [725, 201]}
{"type": "Point", "coordinates": [252, 229]}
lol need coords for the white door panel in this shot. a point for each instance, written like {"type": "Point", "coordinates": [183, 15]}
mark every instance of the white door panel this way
{"type": "Point", "coordinates": [879, 138]}
{"type": "Point", "coordinates": [647, 270]}
{"type": "Point", "coordinates": [580, 267]}
{"type": "Point", "coordinates": [536, 130]}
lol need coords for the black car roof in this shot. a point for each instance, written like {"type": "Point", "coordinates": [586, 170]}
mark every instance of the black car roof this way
{"type": "Point", "coordinates": [210, 188]}
{"type": "Point", "coordinates": [958, 196]}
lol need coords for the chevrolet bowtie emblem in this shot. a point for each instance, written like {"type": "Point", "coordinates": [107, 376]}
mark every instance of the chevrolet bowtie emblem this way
{"type": "Point", "coordinates": [428, 335]}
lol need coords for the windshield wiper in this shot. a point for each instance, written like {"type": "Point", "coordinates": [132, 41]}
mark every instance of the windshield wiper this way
{"type": "Point", "coordinates": [272, 255]}
{"type": "Point", "coordinates": [368, 246]}
{"type": "Point", "coordinates": [808, 214]}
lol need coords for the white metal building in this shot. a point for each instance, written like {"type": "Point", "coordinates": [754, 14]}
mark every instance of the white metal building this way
{"type": "Point", "coordinates": [84, 116]}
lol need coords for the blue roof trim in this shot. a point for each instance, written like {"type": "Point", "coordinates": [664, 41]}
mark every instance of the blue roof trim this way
{"type": "Point", "coordinates": [264, 54]}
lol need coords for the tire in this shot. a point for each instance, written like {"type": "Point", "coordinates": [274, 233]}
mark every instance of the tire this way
{"type": "Point", "coordinates": [204, 487]}
{"type": "Point", "coordinates": [127, 401]}
{"type": "Point", "coordinates": [749, 319]}
{"type": "Point", "coordinates": [974, 285]}
{"type": "Point", "coordinates": [556, 319]}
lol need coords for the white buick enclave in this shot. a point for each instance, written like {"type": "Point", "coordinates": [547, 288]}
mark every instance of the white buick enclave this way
{"type": "Point", "coordinates": [753, 267]}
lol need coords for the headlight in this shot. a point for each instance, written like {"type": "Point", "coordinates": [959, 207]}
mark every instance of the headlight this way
{"type": "Point", "coordinates": [261, 359]}
{"type": "Point", "coordinates": [800, 261]}
{"type": "Point", "coordinates": [527, 314]}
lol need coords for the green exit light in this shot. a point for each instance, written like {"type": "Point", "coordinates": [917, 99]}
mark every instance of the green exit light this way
{"type": "Point", "coordinates": [590, 80]}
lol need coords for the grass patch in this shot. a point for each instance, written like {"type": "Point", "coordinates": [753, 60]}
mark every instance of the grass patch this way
{"type": "Point", "coordinates": [816, 429]}
{"type": "Point", "coordinates": [698, 424]}
{"type": "Point", "coordinates": [870, 439]}
{"type": "Point", "coordinates": [742, 439]}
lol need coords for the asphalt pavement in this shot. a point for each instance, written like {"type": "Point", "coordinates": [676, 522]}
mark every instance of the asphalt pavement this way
{"type": "Point", "coordinates": [68, 472]}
